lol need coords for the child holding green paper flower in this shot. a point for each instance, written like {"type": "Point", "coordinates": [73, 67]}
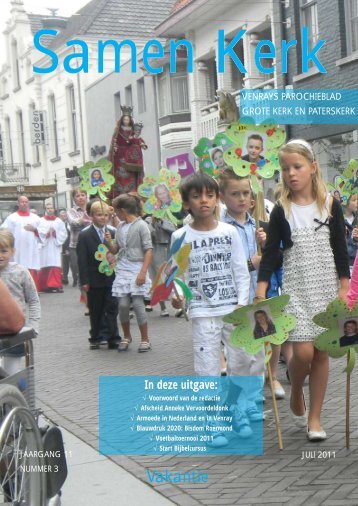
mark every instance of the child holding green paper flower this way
{"type": "Point", "coordinates": [310, 225]}
{"type": "Point", "coordinates": [219, 280]}
{"type": "Point", "coordinates": [236, 194]}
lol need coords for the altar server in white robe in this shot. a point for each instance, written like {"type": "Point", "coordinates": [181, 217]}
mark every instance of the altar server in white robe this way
{"type": "Point", "coordinates": [24, 226]}
{"type": "Point", "coordinates": [52, 232]}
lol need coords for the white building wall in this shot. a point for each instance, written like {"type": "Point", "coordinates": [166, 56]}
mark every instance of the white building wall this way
{"type": "Point", "coordinates": [36, 88]}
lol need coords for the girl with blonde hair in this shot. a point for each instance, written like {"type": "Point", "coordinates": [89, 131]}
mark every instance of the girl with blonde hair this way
{"type": "Point", "coordinates": [310, 224]}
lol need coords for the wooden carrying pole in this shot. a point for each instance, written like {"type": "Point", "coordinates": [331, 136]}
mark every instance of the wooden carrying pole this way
{"type": "Point", "coordinates": [259, 213]}
{"type": "Point", "coordinates": [348, 393]}
{"type": "Point", "coordinates": [277, 418]}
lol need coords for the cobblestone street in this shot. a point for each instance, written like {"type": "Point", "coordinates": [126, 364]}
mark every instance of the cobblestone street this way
{"type": "Point", "coordinates": [67, 389]}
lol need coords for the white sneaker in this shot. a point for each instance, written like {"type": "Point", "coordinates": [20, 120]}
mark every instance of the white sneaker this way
{"type": "Point", "coordinates": [217, 438]}
{"type": "Point", "coordinates": [164, 313]}
{"type": "Point", "coordinates": [254, 414]}
{"type": "Point", "coordinates": [240, 423]}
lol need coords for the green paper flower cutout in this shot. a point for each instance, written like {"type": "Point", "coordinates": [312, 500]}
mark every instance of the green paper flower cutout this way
{"type": "Point", "coordinates": [337, 319]}
{"type": "Point", "coordinates": [96, 178]}
{"type": "Point", "coordinates": [270, 136]}
{"type": "Point", "coordinates": [274, 136]}
{"type": "Point", "coordinates": [350, 171]}
{"type": "Point", "coordinates": [101, 255]}
{"type": "Point", "coordinates": [249, 334]}
{"type": "Point", "coordinates": [346, 183]}
{"type": "Point", "coordinates": [162, 194]}
{"type": "Point", "coordinates": [210, 153]}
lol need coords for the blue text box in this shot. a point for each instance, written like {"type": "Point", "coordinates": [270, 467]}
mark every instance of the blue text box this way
{"type": "Point", "coordinates": [174, 415]}
{"type": "Point", "coordinates": [300, 106]}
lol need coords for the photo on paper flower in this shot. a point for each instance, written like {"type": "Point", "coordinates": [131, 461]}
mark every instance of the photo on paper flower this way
{"type": "Point", "coordinates": [262, 322]}
{"type": "Point", "coordinates": [254, 148]}
{"type": "Point", "coordinates": [349, 332]}
{"type": "Point", "coordinates": [162, 195]}
{"type": "Point", "coordinates": [96, 177]}
{"type": "Point", "coordinates": [210, 153]}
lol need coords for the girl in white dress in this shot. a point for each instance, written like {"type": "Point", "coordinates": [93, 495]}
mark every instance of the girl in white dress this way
{"type": "Point", "coordinates": [311, 227]}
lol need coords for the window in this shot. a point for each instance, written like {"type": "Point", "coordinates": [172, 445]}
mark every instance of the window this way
{"type": "Point", "coordinates": [173, 92]}
{"type": "Point", "coordinates": [73, 117]}
{"type": "Point", "coordinates": [4, 88]}
{"type": "Point", "coordinates": [61, 199]}
{"type": "Point", "coordinates": [351, 13]}
{"type": "Point", "coordinates": [163, 91]}
{"type": "Point", "coordinates": [310, 20]}
{"type": "Point", "coordinates": [180, 98]}
{"type": "Point", "coordinates": [53, 125]}
{"type": "Point", "coordinates": [29, 73]}
{"type": "Point", "coordinates": [141, 95]}
{"type": "Point", "coordinates": [1, 148]}
{"type": "Point", "coordinates": [15, 65]}
{"type": "Point", "coordinates": [8, 141]}
{"type": "Point", "coordinates": [128, 95]}
{"type": "Point", "coordinates": [117, 104]}
{"type": "Point", "coordinates": [21, 138]}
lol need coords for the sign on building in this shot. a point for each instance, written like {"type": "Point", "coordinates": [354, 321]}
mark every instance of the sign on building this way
{"type": "Point", "coordinates": [38, 125]}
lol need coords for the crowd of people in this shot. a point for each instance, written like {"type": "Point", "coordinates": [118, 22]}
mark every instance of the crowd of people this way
{"type": "Point", "coordinates": [307, 250]}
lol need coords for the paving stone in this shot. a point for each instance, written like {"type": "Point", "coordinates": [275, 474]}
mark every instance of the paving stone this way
{"type": "Point", "coordinates": [67, 390]}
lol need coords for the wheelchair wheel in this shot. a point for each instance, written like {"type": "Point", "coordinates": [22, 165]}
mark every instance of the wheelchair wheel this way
{"type": "Point", "coordinates": [22, 477]}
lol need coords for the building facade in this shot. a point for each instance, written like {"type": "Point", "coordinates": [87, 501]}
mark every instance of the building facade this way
{"type": "Point", "coordinates": [43, 117]}
{"type": "Point", "coordinates": [336, 22]}
{"type": "Point", "coordinates": [199, 22]}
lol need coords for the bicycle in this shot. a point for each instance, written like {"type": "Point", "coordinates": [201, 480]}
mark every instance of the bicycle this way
{"type": "Point", "coordinates": [32, 459]}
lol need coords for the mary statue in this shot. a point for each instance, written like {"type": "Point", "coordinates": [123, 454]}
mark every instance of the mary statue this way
{"type": "Point", "coordinates": [126, 154]}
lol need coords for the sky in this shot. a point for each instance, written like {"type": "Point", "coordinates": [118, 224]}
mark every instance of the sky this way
{"type": "Point", "coordinates": [66, 8]}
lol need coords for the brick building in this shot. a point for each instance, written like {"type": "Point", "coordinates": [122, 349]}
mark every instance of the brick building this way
{"type": "Point", "coordinates": [336, 22]}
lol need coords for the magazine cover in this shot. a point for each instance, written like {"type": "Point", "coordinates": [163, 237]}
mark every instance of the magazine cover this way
{"type": "Point", "coordinates": [178, 238]}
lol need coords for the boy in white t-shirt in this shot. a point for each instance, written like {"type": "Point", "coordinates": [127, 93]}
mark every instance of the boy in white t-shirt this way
{"type": "Point", "coordinates": [218, 278]}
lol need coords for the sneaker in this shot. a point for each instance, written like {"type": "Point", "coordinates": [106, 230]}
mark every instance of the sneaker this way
{"type": "Point", "coordinates": [179, 313]}
{"type": "Point", "coordinates": [144, 346]}
{"type": "Point", "coordinates": [148, 308]}
{"type": "Point", "coordinates": [164, 313]}
{"type": "Point", "coordinates": [240, 422]}
{"type": "Point", "coordinates": [254, 414]}
{"type": "Point", "coordinates": [217, 438]}
{"type": "Point", "coordinates": [94, 345]}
